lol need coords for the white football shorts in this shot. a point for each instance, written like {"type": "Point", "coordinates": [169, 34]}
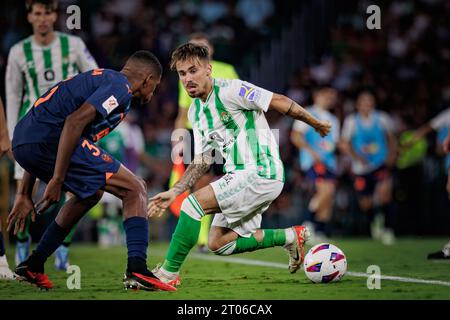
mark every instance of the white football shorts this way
{"type": "Point", "coordinates": [243, 196]}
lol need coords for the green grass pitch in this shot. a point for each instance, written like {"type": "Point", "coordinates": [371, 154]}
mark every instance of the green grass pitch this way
{"type": "Point", "coordinates": [211, 277]}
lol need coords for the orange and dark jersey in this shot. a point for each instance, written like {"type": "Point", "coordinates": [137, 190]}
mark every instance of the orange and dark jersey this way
{"type": "Point", "coordinates": [107, 90]}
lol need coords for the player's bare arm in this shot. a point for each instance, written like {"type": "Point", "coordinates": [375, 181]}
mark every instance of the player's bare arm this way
{"type": "Point", "coordinates": [71, 133]}
{"type": "Point", "coordinates": [290, 108]}
{"type": "Point", "coordinates": [23, 204]}
{"type": "Point", "coordinates": [199, 166]}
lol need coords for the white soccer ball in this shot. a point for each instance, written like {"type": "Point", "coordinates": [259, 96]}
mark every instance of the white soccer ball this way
{"type": "Point", "coordinates": [325, 263]}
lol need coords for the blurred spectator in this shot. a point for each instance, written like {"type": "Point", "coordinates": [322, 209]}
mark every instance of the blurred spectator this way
{"type": "Point", "coordinates": [368, 136]}
{"type": "Point", "coordinates": [319, 162]}
{"type": "Point", "coordinates": [255, 12]}
{"type": "Point", "coordinates": [212, 10]}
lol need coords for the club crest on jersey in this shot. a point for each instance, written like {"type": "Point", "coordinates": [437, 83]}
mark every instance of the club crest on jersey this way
{"type": "Point", "coordinates": [224, 116]}
{"type": "Point", "coordinates": [110, 104]}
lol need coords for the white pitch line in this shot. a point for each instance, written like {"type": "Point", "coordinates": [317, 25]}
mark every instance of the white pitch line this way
{"type": "Point", "coordinates": [284, 266]}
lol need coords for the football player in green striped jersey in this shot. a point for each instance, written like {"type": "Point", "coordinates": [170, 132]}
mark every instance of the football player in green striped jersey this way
{"type": "Point", "coordinates": [219, 70]}
{"type": "Point", "coordinates": [35, 64]}
{"type": "Point", "coordinates": [228, 116]}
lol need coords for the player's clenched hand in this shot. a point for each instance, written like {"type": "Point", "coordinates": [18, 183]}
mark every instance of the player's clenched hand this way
{"type": "Point", "coordinates": [23, 205]}
{"type": "Point", "coordinates": [323, 128]}
{"type": "Point", "coordinates": [52, 195]}
{"type": "Point", "coordinates": [159, 203]}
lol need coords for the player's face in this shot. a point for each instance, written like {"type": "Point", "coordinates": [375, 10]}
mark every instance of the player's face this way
{"type": "Point", "coordinates": [365, 103]}
{"type": "Point", "coordinates": [147, 89]}
{"type": "Point", "coordinates": [195, 76]}
{"type": "Point", "coordinates": [42, 19]}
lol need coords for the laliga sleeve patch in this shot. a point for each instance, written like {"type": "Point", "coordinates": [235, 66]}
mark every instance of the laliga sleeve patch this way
{"type": "Point", "coordinates": [110, 104]}
{"type": "Point", "coordinates": [249, 92]}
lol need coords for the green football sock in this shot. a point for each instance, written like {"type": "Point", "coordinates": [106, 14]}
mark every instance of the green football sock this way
{"type": "Point", "coordinates": [183, 240]}
{"type": "Point", "coordinates": [272, 238]}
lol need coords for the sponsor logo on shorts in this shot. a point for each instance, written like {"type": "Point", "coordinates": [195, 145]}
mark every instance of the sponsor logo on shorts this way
{"type": "Point", "coordinates": [225, 181]}
{"type": "Point", "coordinates": [241, 186]}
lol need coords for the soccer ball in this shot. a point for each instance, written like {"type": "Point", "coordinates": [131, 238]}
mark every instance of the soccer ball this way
{"type": "Point", "coordinates": [325, 263]}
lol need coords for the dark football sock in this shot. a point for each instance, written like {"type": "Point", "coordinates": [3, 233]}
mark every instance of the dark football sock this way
{"type": "Point", "coordinates": [50, 241]}
{"type": "Point", "coordinates": [136, 230]}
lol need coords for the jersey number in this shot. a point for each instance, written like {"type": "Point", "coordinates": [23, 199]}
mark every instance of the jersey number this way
{"type": "Point", "coordinates": [97, 72]}
{"type": "Point", "coordinates": [47, 97]}
{"type": "Point", "coordinates": [92, 147]}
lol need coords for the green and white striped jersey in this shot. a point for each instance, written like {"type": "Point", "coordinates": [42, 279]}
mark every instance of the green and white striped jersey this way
{"type": "Point", "coordinates": [32, 69]}
{"type": "Point", "coordinates": [232, 121]}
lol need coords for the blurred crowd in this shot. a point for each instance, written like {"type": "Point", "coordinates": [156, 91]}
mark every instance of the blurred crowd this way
{"type": "Point", "coordinates": [405, 64]}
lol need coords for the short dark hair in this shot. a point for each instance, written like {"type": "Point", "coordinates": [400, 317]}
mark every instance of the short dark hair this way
{"type": "Point", "coordinates": [188, 51]}
{"type": "Point", "coordinates": [148, 58]}
{"type": "Point", "coordinates": [49, 4]}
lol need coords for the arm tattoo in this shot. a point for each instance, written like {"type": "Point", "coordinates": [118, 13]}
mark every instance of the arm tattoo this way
{"type": "Point", "coordinates": [195, 170]}
{"type": "Point", "coordinates": [304, 116]}
{"type": "Point", "coordinates": [290, 107]}
{"type": "Point", "coordinates": [298, 113]}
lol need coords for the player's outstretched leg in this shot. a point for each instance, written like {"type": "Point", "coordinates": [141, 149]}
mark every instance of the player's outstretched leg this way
{"type": "Point", "coordinates": [224, 241]}
{"type": "Point", "coordinates": [183, 240]}
{"type": "Point", "coordinates": [133, 193]}
{"type": "Point", "coordinates": [5, 272]}
{"type": "Point", "coordinates": [32, 269]}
